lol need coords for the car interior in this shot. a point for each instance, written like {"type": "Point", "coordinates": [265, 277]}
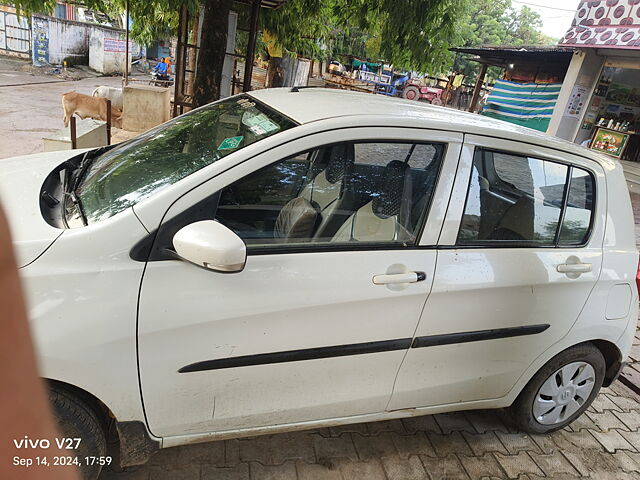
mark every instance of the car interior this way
{"type": "Point", "coordinates": [326, 196]}
{"type": "Point", "coordinates": [513, 198]}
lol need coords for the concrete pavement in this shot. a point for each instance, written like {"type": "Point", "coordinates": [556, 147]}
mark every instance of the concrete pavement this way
{"type": "Point", "coordinates": [31, 108]}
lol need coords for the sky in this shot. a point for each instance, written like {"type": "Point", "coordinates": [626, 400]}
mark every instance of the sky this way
{"type": "Point", "coordinates": [556, 14]}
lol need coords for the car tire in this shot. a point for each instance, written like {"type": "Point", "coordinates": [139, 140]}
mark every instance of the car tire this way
{"type": "Point", "coordinates": [561, 390]}
{"type": "Point", "coordinates": [77, 420]}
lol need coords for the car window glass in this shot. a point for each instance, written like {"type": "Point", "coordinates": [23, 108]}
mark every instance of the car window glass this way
{"type": "Point", "coordinates": [580, 203]}
{"type": "Point", "coordinates": [512, 198]}
{"type": "Point", "coordinates": [370, 192]}
{"type": "Point", "coordinates": [156, 159]}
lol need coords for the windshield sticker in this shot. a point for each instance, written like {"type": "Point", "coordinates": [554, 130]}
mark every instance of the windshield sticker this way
{"type": "Point", "coordinates": [253, 120]}
{"type": "Point", "coordinates": [257, 130]}
{"type": "Point", "coordinates": [269, 126]}
{"type": "Point", "coordinates": [230, 143]}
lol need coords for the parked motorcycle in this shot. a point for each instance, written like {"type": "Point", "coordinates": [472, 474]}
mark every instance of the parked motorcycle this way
{"type": "Point", "coordinates": [160, 79]}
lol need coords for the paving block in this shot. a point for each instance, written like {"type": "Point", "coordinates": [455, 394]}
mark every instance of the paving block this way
{"type": "Point", "coordinates": [611, 440]}
{"type": "Point", "coordinates": [486, 420]}
{"type": "Point", "coordinates": [625, 404]}
{"type": "Point", "coordinates": [286, 471]}
{"type": "Point", "coordinates": [416, 444]}
{"type": "Point", "coordinates": [316, 471]}
{"type": "Point", "coordinates": [447, 468]}
{"type": "Point", "coordinates": [211, 453]}
{"type": "Point", "coordinates": [518, 442]}
{"type": "Point", "coordinates": [454, 422]}
{"type": "Point", "coordinates": [424, 423]}
{"type": "Point", "coordinates": [516, 465]}
{"type": "Point", "coordinates": [370, 470]}
{"type": "Point", "coordinates": [387, 426]}
{"type": "Point", "coordinates": [480, 467]}
{"type": "Point", "coordinates": [631, 419]}
{"type": "Point", "coordinates": [338, 430]}
{"type": "Point", "coordinates": [606, 420]}
{"type": "Point", "coordinates": [239, 472]}
{"type": "Point", "coordinates": [404, 469]}
{"type": "Point", "coordinates": [574, 441]}
{"type": "Point", "coordinates": [448, 444]}
{"type": "Point", "coordinates": [179, 472]}
{"type": "Point", "coordinates": [602, 403]}
{"type": "Point", "coordinates": [482, 443]}
{"type": "Point", "coordinates": [593, 463]}
{"type": "Point", "coordinates": [374, 447]}
{"type": "Point", "coordinates": [582, 422]}
{"type": "Point", "coordinates": [276, 449]}
{"type": "Point", "coordinates": [334, 447]}
{"type": "Point", "coordinates": [553, 464]}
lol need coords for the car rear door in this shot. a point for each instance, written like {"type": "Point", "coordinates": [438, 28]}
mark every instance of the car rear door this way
{"type": "Point", "coordinates": [508, 283]}
{"type": "Point", "coordinates": [308, 330]}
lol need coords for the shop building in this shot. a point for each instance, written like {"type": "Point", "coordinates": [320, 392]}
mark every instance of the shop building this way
{"type": "Point", "coordinates": [599, 102]}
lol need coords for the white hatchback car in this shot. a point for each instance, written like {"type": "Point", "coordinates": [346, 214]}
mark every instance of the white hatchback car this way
{"type": "Point", "coordinates": [296, 258]}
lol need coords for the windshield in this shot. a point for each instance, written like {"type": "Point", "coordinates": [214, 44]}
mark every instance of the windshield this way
{"type": "Point", "coordinates": [126, 174]}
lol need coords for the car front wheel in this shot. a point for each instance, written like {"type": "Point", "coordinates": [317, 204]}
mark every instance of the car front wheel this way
{"type": "Point", "coordinates": [77, 420]}
{"type": "Point", "coordinates": [561, 390]}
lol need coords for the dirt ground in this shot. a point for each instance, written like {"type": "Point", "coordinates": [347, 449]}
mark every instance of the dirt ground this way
{"type": "Point", "coordinates": [31, 108]}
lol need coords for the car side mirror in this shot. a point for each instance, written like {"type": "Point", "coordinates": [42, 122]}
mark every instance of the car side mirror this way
{"type": "Point", "coordinates": [211, 245]}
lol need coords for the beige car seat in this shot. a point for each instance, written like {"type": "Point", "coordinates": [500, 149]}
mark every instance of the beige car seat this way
{"type": "Point", "coordinates": [386, 217]}
{"type": "Point", "coordinates": [309, 215]}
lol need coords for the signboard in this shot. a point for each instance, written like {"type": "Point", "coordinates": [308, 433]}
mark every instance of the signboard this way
{"type": "Point", "coordinates": [577, 101]}
{"type": "Point", "coordinates": [40, 32]}
{"type": "Point", "coordinates": [116, 45]}
{"type": "Point", "coordinates": [609, 142]}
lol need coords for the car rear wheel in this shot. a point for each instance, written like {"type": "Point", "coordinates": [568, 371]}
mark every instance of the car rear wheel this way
{"type": "Point", "coordinates": [77, 420]}
{"type": "Point", "coordinates": [561, 391]}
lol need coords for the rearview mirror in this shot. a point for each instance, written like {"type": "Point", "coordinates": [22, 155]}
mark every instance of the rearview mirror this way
{"type": "Point", "coordinates": [211, 245]}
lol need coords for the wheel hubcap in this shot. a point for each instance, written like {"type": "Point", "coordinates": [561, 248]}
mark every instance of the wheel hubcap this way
{"type": "Point", "coordinates": [564, 393]}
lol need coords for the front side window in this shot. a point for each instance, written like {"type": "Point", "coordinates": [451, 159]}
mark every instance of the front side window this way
{"type": "Point", "coordinates": [368, 192]}
{"type": "Point", "coordinates": [126, 174]}
{"type": "Point", "coordinates": [515, 199]}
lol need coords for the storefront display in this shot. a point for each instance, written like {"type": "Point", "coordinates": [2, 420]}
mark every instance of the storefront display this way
{"type": "Point", "coordinates": [610, 142]}
{"type": "Point", "coordinates": [612, 120]}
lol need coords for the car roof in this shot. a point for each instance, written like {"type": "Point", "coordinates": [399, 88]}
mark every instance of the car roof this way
{"type": "Point", "coordinates": [306, 105]}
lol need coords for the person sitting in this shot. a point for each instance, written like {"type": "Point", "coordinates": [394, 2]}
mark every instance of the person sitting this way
{"type": "Point", "coordinates": [161, 68]}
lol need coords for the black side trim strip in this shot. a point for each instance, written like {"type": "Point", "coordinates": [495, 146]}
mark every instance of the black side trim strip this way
{"type": "Point", "coordinates": [476, 336]}
{"type": "Point", "coordinates": [299, 355]}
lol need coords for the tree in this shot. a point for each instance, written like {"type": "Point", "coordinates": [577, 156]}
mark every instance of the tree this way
{"type": "Point", "coordinates": [496, 22]}
{"type": "Point", "coordinates": [412, 34]}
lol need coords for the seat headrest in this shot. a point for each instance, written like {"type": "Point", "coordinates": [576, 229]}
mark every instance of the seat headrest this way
{"type": "Point", "coordinates": [389, 201]}
{"type": "Point", "coordinates": [338, 165]}
{"type": "Point", "coordinates": [298, 219]}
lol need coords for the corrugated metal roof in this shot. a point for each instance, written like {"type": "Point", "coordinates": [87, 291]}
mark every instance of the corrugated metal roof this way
{"type": "Point", "coordinates": [266, 3]}
{"type": "Point", "coordinates": [501, 56]}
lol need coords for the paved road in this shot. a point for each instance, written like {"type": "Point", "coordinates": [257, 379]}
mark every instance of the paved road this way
{"type": "Point", "coordinates": [603, 444]}
{"type": "Point", "coordinates": [33, 109]}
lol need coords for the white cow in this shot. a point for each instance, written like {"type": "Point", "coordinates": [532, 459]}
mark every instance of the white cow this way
{"type": "Point", "coordinates": [112, 93]}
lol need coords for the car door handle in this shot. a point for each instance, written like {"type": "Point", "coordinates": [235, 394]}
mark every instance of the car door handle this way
{"type": "Point", "coordinates": [574, 268]}
{"type": "Point", "coordinates": [393, 279]}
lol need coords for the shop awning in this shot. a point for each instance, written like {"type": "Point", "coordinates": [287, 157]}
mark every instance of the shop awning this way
{"type": "Point", "coordinates": [605, 24]}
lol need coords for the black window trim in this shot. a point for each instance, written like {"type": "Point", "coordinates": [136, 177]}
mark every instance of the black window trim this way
{"type": "Point", "coordinates": [493, 244]}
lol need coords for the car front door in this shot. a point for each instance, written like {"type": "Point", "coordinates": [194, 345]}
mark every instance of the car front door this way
{"type": "Point", "coordinates": [316, 325]}
{"type": "Point", "coordinates": [520, 252]}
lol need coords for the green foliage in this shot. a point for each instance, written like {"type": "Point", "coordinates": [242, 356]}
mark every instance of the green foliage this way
{"type": "Point", "coordinates": [496, 22]}
{"type": "Point", "coordinates": [411, 34]}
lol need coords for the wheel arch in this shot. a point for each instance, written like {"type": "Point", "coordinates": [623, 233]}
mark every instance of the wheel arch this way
{"type": "Point", "coordinates": [612, 357]}
{"type": "Point", "coordinates": [135, 444]}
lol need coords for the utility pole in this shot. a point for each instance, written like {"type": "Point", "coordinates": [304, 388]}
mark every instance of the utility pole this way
{"type": "Point", "coordinates": [126, 44]}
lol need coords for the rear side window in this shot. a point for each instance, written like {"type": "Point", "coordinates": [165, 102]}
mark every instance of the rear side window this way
{"type": "Point", "coordinates": [515, 199]}
{"type": "Point", "coordinates": [579, 211]}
